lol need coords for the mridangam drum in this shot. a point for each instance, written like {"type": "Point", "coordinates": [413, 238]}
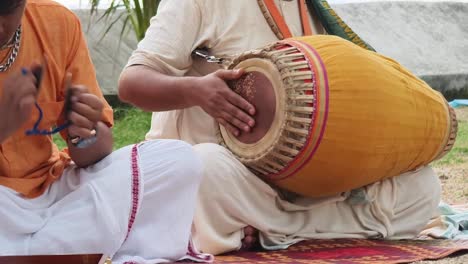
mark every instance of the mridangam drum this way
{"type": "Point", "coordinates": [332, 116]}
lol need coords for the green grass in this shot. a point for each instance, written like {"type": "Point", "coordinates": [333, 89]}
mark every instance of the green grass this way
{"type": "Point", "coordinates": [131, 126]}
{"type": "Point", "coordinates": [459, 153]}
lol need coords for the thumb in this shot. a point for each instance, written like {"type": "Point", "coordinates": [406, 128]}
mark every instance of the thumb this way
{"type": "Point", "coordinates": [229, 74]}
{"type": "Point", "coordinates": [37, 70]}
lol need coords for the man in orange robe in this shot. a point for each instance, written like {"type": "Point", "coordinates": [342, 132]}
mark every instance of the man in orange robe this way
{"type": "Point", "coordinates": [85, 199]}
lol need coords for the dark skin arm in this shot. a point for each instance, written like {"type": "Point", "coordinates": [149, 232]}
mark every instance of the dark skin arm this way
{"type": "Point", "coordinates": [99, 150]}
{"type": "Point", "coordinates": [154, 91]}
{"type": "Point", "coordinates": [86, 115]}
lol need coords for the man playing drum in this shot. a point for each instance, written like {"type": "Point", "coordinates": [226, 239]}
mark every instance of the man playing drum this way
{"type": "Point", "coordinates": [85, 200]}
{"type": "Point", "coordinates": [189, 97]}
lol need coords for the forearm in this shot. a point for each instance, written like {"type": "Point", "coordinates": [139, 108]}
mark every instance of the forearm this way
{"type": "Point", "coordinates": [154, 91]}
{"type": "Point", "coordinates": [97, 151]}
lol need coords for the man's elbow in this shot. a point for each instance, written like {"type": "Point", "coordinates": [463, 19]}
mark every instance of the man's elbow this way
{"type": "Point", "coordinates": [127, 82]}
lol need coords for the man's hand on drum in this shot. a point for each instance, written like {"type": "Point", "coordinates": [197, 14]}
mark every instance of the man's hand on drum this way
{"type": "Point", "coordinates": [227, 107]}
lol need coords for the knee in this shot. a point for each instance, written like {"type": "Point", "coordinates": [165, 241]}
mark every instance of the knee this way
{"type": "Point", "coordinates": [209, 150]}
{"type": "Point", "coordinates": [214, 157]}
{"type": "Point", "coordinates": [187, 162]}
{"type": "Point", "coordinates": [211, 155]}
{"type": "Point", "coordinates": [221, 170]}
{"type": "Point", "coordinates": [417, 202]}
{"type": "Point", "coordinates": [423, 186]}
{"type": "Point", "coordinates": [426, 182]}
{"type": "Point", "coordinates": [177, 156]}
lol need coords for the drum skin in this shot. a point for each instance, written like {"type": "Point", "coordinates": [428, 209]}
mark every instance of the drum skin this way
{"type": "Point", "coordinates": [371, 119]}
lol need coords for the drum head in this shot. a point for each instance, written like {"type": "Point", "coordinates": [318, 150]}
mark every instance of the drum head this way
{"type": "Point", "coordinates": [257, 89]}
{"type": "Point", "coordinates": [262, 86]}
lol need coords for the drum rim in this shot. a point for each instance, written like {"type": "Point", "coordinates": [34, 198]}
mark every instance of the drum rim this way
{"type": "Point", "coordinates": [277, 56]}
{"type": "Point", "coordinates": [451, 133]}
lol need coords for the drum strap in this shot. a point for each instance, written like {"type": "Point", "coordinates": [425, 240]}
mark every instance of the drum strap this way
{"type": "Point", "coordinates": [277, 22]}
{"type": "Point", "coordinates": [333, 23]}
{"type": "Point", "coordinates": [305, 18]}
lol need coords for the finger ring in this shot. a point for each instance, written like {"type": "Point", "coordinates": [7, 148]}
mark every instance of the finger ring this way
{"type": "Point", "coordinates": [75, 140]}
{"type": "Point", "coordinates": [84, 142]}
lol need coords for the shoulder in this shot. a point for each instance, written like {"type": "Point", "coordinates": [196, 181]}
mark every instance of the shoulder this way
{"type": "Point", "coordinates": [180, 5]}
{"type": "Point", "coordinates": [48, 5]}
{"type": "Point", "coordinates": [51, 11]}
{"type": "Point", "coordinates": [53, 22]}
{"type": "Point", "coordinates": [55, 26]}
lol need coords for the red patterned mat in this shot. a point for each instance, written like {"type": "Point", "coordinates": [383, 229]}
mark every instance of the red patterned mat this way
{"type": "Point", "coordinates": [351, 251]}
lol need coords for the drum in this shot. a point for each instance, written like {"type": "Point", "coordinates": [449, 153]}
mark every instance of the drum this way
{"type": "Point", "coordinates": [332, 116]}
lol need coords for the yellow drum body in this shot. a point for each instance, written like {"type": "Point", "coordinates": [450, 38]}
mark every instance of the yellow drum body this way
{"type": "Point", "coordinates": [343, 116]}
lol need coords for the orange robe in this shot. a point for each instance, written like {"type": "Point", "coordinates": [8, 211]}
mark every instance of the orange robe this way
{"type": "Point", "coordinates": [29, 164]}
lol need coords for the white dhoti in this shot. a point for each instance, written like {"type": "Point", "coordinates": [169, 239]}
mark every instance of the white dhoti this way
{"type": "Point", "coordinates": [135, 205]}
{"type": "Point", "coordinates": [231, 198]}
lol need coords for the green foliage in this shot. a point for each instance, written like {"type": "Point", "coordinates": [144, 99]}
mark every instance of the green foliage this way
{"type": "Point", "coordinates": [138, 14]}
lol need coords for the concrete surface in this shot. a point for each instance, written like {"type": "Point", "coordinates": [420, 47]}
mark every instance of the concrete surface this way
{"type": "Point", "coordinates": [429, 38]}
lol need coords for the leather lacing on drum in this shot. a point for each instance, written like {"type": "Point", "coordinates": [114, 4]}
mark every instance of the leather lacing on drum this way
{"type": "Point", "coordinates": [295, 130]}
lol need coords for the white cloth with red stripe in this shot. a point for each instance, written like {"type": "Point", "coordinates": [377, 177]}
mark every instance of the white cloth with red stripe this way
{"type": "Point", "coordinates": [136, 205]}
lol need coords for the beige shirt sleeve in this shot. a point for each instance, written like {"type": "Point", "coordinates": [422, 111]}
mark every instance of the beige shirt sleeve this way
{"type": "Point", "coordinates": [171, 38]}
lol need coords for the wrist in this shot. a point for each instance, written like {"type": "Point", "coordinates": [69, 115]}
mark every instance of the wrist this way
{"type": "Point", "coordinates": [191, 91]}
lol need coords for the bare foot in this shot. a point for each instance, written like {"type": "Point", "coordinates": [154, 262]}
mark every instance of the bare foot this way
{"type": "Point", "coordinates": [250, 240]}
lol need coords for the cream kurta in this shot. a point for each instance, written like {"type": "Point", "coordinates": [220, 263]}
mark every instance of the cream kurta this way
{"type": "Point", "coordinates": [226, 28]}
{"type": "Point", "coordinates": [231, 197]}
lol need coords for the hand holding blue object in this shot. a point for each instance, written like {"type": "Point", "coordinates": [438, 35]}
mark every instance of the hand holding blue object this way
{"type": "Point", "coordinates": [35, 131]}
{"type": "Point", "coordinates": [19, 94]}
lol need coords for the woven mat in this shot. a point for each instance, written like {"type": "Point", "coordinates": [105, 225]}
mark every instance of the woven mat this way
{"type": "Point", "coordinates": [351, 251]}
